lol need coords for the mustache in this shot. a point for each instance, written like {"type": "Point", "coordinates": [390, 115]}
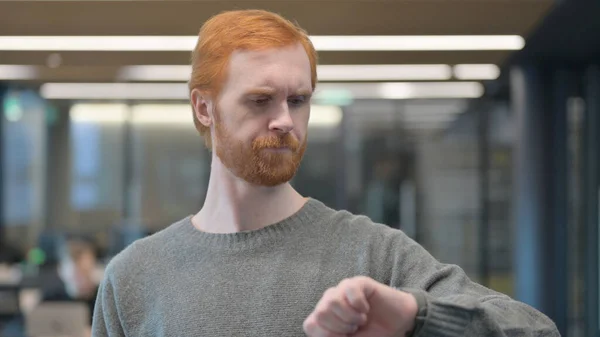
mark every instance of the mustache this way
{"type": "Point", "coordinates": [276, 142]}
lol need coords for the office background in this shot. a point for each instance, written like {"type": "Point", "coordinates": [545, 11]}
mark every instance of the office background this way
{"type": "Point", "coordinates": [473, 126]}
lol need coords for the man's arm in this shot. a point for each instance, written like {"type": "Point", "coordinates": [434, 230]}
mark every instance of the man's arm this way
{"type": "Point", "coordinates": [409, 293]}
{"type": "Point", "coordinates": [456, 306]}
{"type": "Point", "coordinates": [107, 320]}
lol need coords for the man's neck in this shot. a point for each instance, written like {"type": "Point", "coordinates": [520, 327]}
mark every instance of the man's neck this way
{"type": "Point", "coordinates": [234, 205]}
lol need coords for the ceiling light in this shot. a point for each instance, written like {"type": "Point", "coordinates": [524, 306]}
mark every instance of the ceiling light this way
{"type": "Point", "coordinates": [320, 116]}
{"type": "Point", "coordinates": [179, 91]}
{"type": "Point", "coordinates": [325, 72]}
{"type": "Point", "coordinates": [54, 60]}
{"type": "Point", "coordinates": [99, 113]}
{"type": "Point", "coordinates": [321, 43]}
{"type": "Point", "coordinates": [367, 72]}
{"type": "Point", "coordinates": [17, 72]}
{"type": "Point", "coordinates": [431, 90]}
{"type": "Point", "coordinates": [172, 114]}
{"type": "Point", "coordinates": [141, 91]}
{"type": "Point", "coordinates": [373, 72]}
{"type": "Point", "coordinates": [179, 73]}
{"type": "Point", "coordinates": [325, 116]}
{"type": "Point", "coordinates": [415, 43]}
{"type": "Point", "coordinates": [98, 43]}
{"type": "Point", "coordinates": [13, 109]}
{"type": "Point", "coordinates": [384, 72]}
{"type": "Point", "coordinates": [476, 71]}
{"type": "Point", "coordinates": [404, 90]}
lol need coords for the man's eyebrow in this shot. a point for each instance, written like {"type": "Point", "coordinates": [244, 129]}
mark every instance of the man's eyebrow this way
{"type": "Point", "coordinates": [261, 92]}
{"type": "Point", "coordinates": [304, 92]}
{"type": "Point", "coordinates": [266, 91]}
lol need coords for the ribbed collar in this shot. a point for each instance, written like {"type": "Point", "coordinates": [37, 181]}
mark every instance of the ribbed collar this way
{"type": "Point", "coordinates": [309, 214]}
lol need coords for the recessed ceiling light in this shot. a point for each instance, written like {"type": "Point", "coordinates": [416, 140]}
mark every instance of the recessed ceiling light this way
{"type": "Point", "coordinates": [321, 43]}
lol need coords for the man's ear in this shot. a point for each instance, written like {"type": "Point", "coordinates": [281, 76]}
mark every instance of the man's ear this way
{"type": "Point", "coordinates": [202, 107]}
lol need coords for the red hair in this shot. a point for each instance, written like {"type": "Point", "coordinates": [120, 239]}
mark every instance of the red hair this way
{"type": "Point", "coordinates": [227, 32]}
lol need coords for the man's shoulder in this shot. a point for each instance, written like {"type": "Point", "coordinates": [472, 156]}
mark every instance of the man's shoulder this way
{"type": "Point", "coordinates": [145, 253]}
{"type": "Point", "coordinates": [357, 225]}
{"type": "Point", "coordinates": [358, 222]}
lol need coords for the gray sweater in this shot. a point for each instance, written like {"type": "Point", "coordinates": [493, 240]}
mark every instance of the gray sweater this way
{"type": "Point", "coordinates": [183, 282]}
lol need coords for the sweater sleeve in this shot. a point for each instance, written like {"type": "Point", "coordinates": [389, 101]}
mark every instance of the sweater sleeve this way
{"type": "Point", "coordinates": [107, 322]}
{"type": "Point", "coordinates": [456, 306]}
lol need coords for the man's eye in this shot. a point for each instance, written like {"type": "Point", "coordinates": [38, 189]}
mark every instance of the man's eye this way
{"type": "Point", "coordinates": [262, 101]}
{"type": "Point", "coordinates": [297, 100]}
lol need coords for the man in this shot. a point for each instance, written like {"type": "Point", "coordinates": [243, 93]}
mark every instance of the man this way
{"type": "Point", "coordinates": [259, 259]}
{"type": "Point", "coordinates": [77, 262]}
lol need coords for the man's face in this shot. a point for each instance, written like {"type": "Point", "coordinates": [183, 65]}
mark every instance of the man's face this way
{"type": "Point", "coordinates": [262, 114]}
{"type": "Point", "coordinates": [77, 274]}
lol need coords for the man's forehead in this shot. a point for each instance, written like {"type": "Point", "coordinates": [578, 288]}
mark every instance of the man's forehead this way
{"type": "Point", "coordinates": [244, 55]}
{"type": "Point", "coordinates": [266, 53]}
{"type": "Point", "coordinates": [290, 70]}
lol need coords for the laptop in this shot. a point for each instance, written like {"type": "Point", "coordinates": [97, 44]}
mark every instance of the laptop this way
{"type": "Point", "coordinates": [58, 319]}
{"type": "Point", "coordinates": [9, 300]}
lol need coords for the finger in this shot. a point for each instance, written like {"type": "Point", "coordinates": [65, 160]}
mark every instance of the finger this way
{"type": "Point", "coordinates": [313, 329]}
{"type": "Point", "coordinates": [331, 322]}
{"type": "Point", "coordinates": [334, 300]}
{"type": "Point", "coordinates": [334, 314]}
{"type": "Point", "coordinates": [357, 299]}
{"type": "Point", "coordinates": [347, 314]}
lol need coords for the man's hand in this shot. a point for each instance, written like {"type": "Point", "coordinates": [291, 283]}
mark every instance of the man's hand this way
{"type": "Point", "coordinates": [362, 307]}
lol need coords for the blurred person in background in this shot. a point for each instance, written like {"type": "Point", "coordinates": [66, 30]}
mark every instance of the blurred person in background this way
{"type": "Point", "coordinates": [259, 259]}
{"type": "Point", "coordinates": [77, 266]}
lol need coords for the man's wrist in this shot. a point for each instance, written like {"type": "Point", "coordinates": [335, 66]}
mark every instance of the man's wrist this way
{"type": "Point", "coordinates": [420, 313]}
{"type": "Point", "coordinates": [411, 308]}
{"type": "Point", "coordinates": [407, 312]}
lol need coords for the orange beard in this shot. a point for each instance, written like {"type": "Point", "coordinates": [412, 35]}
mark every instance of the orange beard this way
{"type": "Point", "coordinates": [255, 163]}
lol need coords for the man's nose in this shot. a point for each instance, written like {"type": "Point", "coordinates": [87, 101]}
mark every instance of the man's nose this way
{"type": "Point", "coordinates": [282, 122]}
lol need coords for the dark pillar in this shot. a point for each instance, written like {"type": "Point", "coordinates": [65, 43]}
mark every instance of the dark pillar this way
{"type": "Point", "coordinates": [58, 173]}
{"type": "Point", "coordinates": [3, 243]}
{"type": "Point", "coordinates": [539, 102]}
{"type": "Point", "coordinates": [483, 137]}
{"type": "Point", "coordinates": [591, 182]}
{"type": "Point", "coordinates": [129, 210]}
{"type": "Point", "coordinates": [557, 265]}
{"type": "Point", "coordinates": [341, 157]}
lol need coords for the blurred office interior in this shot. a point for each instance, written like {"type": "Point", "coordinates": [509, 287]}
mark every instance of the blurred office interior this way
{"type": "Point", "coordinates": [473, 126]}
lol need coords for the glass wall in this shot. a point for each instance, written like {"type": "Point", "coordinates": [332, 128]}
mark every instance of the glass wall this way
{"type": "Point", "coordinates": [500, 229]}
{"type": "Point", "coordinates": [448, 185]}
{"type": "Point", "coordinates": [130, 170]}
{"type": "Point", "coordinates": [413, 165]}
{"type": "Point", "coordinates": [441, 170]}
{"type": "Point", "coordinates": [23, 167]}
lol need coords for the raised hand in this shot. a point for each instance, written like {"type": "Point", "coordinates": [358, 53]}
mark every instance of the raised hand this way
{"type": "Point", "coordinates": [362, 307]}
